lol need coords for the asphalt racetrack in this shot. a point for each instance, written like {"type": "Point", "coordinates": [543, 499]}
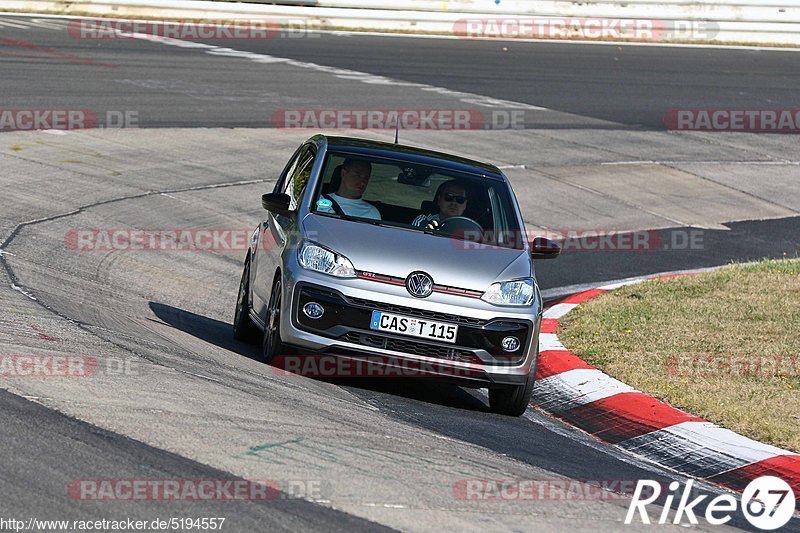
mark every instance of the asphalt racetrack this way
{"type": "Point", "coordinates": [175, 397]}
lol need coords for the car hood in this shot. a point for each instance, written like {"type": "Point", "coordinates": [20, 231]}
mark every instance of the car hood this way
{"type": "Point", "coordinates": [398, 252]}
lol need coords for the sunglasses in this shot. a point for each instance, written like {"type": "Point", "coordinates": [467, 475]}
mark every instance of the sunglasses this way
{"type": "Point", "coordinates": [454, 198]}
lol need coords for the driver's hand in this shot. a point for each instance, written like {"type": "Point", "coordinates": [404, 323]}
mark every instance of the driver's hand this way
{"type": "Point", "coordinates": [433, 224]}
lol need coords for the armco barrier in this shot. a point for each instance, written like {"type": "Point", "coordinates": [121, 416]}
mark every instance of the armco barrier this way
{"type": "Point", "coordinates": [783, 11]}
{"type": "Point", "coordinates": [772, 22]}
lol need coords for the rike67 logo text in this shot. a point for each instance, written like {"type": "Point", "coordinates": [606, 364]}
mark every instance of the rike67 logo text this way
{"type": "Point", "coordinates": [768, 503]}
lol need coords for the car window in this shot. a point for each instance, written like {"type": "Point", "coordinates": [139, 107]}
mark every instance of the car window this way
{"type": "Point", "coordinates": [297, 176]}
{"type": "Point", "coordinates": [402, 191]}
{"type": "Point", "coordinates": [288, 169]}
{"type": "Point", "coordinates": [503, 232]}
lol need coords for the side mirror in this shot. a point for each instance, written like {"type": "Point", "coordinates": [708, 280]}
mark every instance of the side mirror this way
{"type": "Point", "coordinates": [276, 202]}
{"type": "Point", "coordinates": [543, 248]}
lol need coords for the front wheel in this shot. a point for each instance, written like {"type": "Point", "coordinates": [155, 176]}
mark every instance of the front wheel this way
{"type": "Point", "coordinates": [243, 327]}
{"type": "Point", "coordinates": [513, 400]}
{"type": "Point", "coordinates": [271, 344]}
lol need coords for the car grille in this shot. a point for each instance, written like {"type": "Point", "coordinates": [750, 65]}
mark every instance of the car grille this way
{"type": "Point", "coordinates": [421, 313]}
{"type": "Point", "coordinates": [411, 347]}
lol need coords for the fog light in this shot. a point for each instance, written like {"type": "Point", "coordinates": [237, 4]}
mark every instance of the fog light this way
{"type": "Point", "coordinates": [313, 310]}
{"type": "Point", "coordinates": [510, 344]}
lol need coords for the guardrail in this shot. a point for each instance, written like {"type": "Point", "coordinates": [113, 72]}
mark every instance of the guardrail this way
{"type": "Point", "coordinates": [772, 22]}
{"type": "Point", "coordinates": [718, 10]}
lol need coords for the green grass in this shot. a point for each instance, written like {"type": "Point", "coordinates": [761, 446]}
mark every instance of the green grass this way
{"type": "Point", "coordinates": [661, 336]}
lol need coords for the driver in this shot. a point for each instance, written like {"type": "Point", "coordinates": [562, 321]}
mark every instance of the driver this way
{"type": "Point", "coordinates": [452, 201]}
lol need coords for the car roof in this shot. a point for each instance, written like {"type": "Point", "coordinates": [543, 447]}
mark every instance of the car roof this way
{"type": "Point", "coordinates": [413, 154]}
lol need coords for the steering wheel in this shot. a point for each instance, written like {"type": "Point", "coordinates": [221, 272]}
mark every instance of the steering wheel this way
{"type": "Point", "coordinates": [463, 226]}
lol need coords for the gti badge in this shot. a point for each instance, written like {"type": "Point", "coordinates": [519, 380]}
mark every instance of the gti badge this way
{"type": "Point", "coordinates": [419, 284]}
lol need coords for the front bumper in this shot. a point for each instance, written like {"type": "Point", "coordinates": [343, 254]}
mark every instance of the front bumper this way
{"type": "Point", "coordinates": [475, 359]}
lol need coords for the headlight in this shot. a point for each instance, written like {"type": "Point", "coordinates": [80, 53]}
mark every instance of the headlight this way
{"type": "Point", "coordinates": [314, 257]}
{"type": "Point", "coordinates": [517, 292]}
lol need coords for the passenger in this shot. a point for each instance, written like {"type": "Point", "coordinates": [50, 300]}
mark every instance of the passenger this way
{"type": "Point", "coordinates": [355, 175]}
{"type": "Point", "coordinates": [452, 201]}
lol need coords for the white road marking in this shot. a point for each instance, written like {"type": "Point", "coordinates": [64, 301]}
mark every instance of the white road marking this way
{"type": "Point", "coordinates": [363, 77]}
{"type": "Point", "coordinates": [385, 505]}
{"type": "Point", "coordinates": [8, 24]}
{"type": "Point", "coordinates": [31, 23]}
{"type": "Point", "coordinates": [175, 198]}
{"type": "Point", "coordinates": [50, 25]}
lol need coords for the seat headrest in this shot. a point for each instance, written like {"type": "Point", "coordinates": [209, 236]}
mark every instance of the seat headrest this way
{"type": "Point", "coordinates": [336, 180]}
{"type": "Point", "coordinates": [428, 207]}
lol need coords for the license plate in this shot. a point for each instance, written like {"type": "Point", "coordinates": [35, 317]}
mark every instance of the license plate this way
{"type": "Point", "coordinates": [413, 327]}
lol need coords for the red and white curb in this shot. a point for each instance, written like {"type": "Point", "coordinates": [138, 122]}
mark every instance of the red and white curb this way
{"type": "Point", "coordinates": [571, 389]}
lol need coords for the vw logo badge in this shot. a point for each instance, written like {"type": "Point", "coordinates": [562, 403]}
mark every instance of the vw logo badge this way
{"type": "Point", "coordinates": [419, 284]}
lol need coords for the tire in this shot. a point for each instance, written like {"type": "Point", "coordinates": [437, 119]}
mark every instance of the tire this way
{"type": "Point", "coordinates": [243, 328]}
{"type": "Point", "coordinates": [271, 344]}
{"type": "Point", "coordinates": [514, 399]}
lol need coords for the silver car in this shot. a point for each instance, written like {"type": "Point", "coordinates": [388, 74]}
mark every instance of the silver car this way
{"type": "Point", "coordinates": [401, 257]}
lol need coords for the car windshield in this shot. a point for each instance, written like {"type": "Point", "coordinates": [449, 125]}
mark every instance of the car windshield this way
{"type": "Point", "coordinates": [417, 197]}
